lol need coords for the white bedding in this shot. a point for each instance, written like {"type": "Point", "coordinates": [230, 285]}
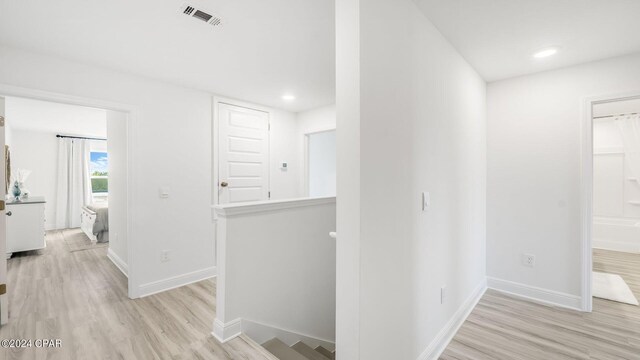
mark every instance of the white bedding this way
{"type": "Point", "coordinates": [95, 222]}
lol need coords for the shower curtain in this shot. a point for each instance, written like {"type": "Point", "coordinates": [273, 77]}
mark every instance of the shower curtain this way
{"type": "Point", "coordinates": [630, 129]}
{"type": "Point", "coordinates": [74, 181]}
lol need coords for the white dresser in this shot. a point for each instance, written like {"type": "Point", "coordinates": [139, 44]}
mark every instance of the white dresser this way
{"type": "Point", "coordinates": [25, 225]}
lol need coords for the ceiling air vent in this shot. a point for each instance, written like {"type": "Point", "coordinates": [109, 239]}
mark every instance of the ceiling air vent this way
{"type": "Point", "coordinates": [188, 10]}
{"type": "Point", "coordinates": [200, 14]}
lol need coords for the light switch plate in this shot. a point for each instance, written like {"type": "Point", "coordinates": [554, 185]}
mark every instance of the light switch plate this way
{"type": "Point", "coordinates": [164, 192]}
{"type": "Point", "coordinates": [426, 201]}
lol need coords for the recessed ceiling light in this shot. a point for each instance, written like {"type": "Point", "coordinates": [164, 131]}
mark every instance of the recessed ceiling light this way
{"type": "Point", "coordinates": [288, 97]}
{"type": "Point", "coordinates": [545, 53]}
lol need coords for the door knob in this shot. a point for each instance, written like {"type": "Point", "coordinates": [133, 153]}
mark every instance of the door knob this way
{"type": "Point", "coordinates": [9, 213]}
{"type": "Point", "coordinates": [224, 184]}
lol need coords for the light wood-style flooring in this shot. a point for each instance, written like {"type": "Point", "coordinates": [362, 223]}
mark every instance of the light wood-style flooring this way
{"type": "Point", "coordinates": [81, 298]}
{"type": "Point", "coordinates": [502, 327]}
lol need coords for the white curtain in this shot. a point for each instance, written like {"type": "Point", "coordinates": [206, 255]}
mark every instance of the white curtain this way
{"type": "Point", "coordinates": [630, 129]}
{"type": "Point", "coordinates": [74, 181]}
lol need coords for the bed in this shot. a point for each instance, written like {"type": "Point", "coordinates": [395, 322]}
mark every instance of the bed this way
{"type": "Point", "coordinates": [94, 221]}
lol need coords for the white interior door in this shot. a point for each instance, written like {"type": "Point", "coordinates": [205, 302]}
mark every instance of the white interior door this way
{"type": "Point", "coordinates": [4, 303]}
{"type": "Point", "coordinates": [243, 154]}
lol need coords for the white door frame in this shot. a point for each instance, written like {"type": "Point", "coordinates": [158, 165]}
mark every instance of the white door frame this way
{"type": "Point", "coordinates": [4, 297]}
{"type": "Point", "coordinates": [586, 190]}
{"type": "Point", "coordinates": [217, 100]}
{"type": "Point", "coordinates": [132, 114]}
{"type": "Point", "coordinates": [306, 155]}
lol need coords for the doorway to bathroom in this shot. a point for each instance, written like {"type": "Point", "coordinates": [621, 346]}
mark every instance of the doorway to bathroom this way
{"type": "Point", "coordinates": [615, 218]}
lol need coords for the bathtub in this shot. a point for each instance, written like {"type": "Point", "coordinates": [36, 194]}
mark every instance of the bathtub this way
{"type": "Point", "coordinates": [619, 234]}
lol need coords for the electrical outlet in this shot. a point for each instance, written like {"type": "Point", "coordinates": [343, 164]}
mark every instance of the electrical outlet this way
{"type": "Point", "coordinates": [529, 260]}
{"type": "Point", "coordinates": [443, 294]}
{"type": "Point", "coordinates": [164, 256]}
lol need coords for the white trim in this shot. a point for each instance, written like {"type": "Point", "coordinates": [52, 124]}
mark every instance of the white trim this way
{"type": "Point", "coordinates": [118, 262]}
{"type": "Point", "coordinates": [618, 150]}
{"type": "Point", "coordinates": [216, 100]}
{"type": "Point", "coordinates": [586, 204]}
{"type": "Point", "coordinates": [224, 332]}
{"type": "Point", "coordinates": [305, 151]}
{"type": "Point", "coordinates": [4, 311]}
{"type": "Point", "coordinates": [260, 333]}
{"type": "Point", "coordinates": [10, 90]}
{"type": "Point", "coordinates": [214, 155]}
{"type": "Point", "coordinates": [536, 294]}
{"type": "Point", "coordinates": [586, 191]}
{"type": "Point", "coordinates": [132, 116]}
{"type": "Point", "coordinates": [176, 281]}
{"type": "Point", "coordinates": [229, 210]}
{"type": "Point", "coordinates": [444, 337]}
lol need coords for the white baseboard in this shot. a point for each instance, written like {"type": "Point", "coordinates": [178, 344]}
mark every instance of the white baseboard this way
{"type": "Point", "coordinates": [260, 333]}
{"type": "Point", "coordinates": [118, 262]}
{"type": "Point", "coordinates": [444, 337]}
{"type": "Point", "coordinates": [176, 281]}
{"type": "Point", "coordinates": [224, 332]}
{"type": "Point", "coordinates": [617, 246]}
{"type": "Point", "coordinates": [536, 294]}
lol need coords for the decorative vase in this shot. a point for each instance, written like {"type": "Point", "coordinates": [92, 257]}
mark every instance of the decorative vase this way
{"type": "Point", "coordinates": [15, 191]}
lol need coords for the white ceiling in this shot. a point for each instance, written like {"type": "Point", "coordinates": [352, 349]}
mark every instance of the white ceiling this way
{"type": "Point", "coordinates": [498, 37]}
{"type": "Point", "coordinates": [44, 116]}
{"type": "Point", "coordinates": [263, 49]}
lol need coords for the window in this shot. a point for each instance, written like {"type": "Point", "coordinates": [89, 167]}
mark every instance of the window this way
{"type": "Point", "coordinates": [99, 169]}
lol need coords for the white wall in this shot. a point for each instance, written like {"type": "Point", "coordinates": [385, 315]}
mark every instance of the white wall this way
{"type": "Point", "coordinates": [348, 180]}
{"type": "Point", "coordinates": [533, 180]}
{"type": "Point", "coordinates": [46, 116]}
{"type": "Point", "coordinates": [8, 132]}
{"type": "Point", "coordinates": [321, 165]}
{"type": "Point", "coordinates": [311, 121]}
{"type": "Point", "coordinates": [314, 120]}
{"type": "Point", "coordinates": [38, 152]}
{"type": "Point", "coordinates": [284, 183]}
{"type": "Point", "coordinates": [277, 266]}
{"type": "Point", "coordinates": [171, 147]}
{"type": "Point", "coordinates": [419, 125]}
{"type": "Point", "coordinates": [117, 152]}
